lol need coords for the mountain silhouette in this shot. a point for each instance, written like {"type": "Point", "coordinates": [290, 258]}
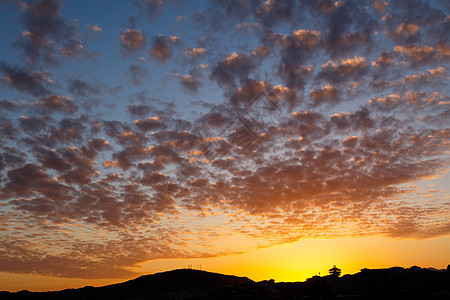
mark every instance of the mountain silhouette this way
{"type": "Point", "coordinates": [187, 283]}
{"type": "Point", "coordinates": [391, 283]}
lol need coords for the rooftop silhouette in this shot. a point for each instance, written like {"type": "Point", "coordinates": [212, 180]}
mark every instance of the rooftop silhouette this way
{"type": "Point", "coordinates": [334, 271]}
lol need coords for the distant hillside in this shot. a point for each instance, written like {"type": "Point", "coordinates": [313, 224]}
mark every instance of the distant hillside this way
{"type": "Point", "coordinates": [186, 283]}
{"type": "Point", "coordinates": [392, 283]}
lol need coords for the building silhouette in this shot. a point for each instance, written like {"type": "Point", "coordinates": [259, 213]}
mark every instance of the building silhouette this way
{"type": "Point", "coordinates": [334, 271]}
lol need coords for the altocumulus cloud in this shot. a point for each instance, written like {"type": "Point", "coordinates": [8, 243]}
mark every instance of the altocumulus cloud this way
{"type": "Point", "coordinates": [317, 120]}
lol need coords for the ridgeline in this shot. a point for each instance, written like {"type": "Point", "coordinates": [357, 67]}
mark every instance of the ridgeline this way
{"type": "Point", "coordinates": [392, 283]}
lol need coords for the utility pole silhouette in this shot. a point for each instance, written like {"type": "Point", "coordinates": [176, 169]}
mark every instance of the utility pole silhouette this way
{"type": "Point", "coordinates": [197, 267]}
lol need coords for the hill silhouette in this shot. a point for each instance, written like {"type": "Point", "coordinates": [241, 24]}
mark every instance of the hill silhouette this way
{"type": "Point", "coordinates": [392, 283]}
{"type": "Point", "coordinates": [186, 283]}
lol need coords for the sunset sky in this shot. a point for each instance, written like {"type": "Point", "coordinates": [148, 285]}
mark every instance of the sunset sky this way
{"type": "Point", "coordinates": [264, 139]}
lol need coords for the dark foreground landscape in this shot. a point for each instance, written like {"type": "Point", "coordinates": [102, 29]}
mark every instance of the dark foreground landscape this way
{"type": "Point", "coordinates": [392, 283]}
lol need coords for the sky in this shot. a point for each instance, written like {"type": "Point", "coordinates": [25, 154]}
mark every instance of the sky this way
{"type": "Point", "coordinates": [268, 139]}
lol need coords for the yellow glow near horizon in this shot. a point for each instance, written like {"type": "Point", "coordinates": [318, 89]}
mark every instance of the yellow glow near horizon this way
{"type": "Point", "coordinates": [306, 258]}
{"type": "Point", "coordinates": [288, 262]}
{"type": "Point", "coordinates": [36, 283]}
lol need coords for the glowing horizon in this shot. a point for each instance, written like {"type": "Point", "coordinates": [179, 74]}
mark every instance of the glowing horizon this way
{"type": "Point", "coordinates": [284, 263]}
{"type": "Point", "coordinates": [248, 134]}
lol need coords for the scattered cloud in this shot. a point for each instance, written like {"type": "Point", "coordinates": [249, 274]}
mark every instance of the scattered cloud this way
{"type": "Point", "coordinates": [161, 49]}
{"type": "Point", "coordinates": [46, 35]}
{"type": "Point", "coordinates": [138, 74]}
{"type": "Point", "coordinates": [25, 80]}
{"type": "Point", "coordinates": [344, 69]}
{"type": "Point", "coordinates": [195, 52]}
{"type": "Point", "coordinates": [190, 83]}
{"type": "Point", "coordinates": [327, 94]}
{"type": "Point", "coordinates": [96, 28]}
{"type": "Point", "coordinates": [132, 39]}
{"type": "Point", "coordinates": [57, 103]}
